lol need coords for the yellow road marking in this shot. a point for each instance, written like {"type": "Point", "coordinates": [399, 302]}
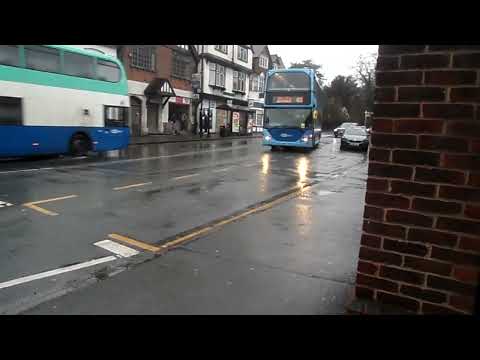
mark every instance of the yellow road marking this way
{"type": "Point", "coordinates": [263, 207]}
{"type": "Point", "coordinates": [131, 186]}
{"type": "Point", "coordinates": [184, 177]}
{"type": "Point", "coordinates": [33, 205]}
{"type": "Point", "coordinates": [135, 243]}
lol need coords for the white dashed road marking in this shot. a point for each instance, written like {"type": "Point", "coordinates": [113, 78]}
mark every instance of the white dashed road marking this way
{"type": "Point", "coordinates": [5, 204]}
{"type": "Point", "coordinates": [116, 248]}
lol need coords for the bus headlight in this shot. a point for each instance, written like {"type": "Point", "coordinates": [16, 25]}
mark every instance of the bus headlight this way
{"type": "Point", "coordinates": [305, 138]}
{"type": "Point", "coordinates": [267, 138]}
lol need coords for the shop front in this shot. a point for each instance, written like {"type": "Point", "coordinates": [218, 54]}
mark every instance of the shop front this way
{"type": "Point", "coordinates": [234, 120]}
{"type": "Point", "coordinates": [179, 115]}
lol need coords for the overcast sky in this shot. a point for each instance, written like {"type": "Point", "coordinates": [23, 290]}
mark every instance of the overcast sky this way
{"type": "Point", "coordinates": [335, 59]}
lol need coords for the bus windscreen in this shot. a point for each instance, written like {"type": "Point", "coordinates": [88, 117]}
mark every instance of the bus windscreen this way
{"type": "Point", "coordinates": [293, 118]}
{"type": "Point", "coordinates": [288, 80]}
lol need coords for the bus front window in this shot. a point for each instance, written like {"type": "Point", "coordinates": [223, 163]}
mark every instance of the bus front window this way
{"type": "Point", "coordinates": [296, 118]}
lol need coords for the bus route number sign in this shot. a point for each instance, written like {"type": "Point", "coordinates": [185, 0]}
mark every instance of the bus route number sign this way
{"type": "Point", "coordinates": [288, 99]}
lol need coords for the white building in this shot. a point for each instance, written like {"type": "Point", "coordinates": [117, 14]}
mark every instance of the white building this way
{"type": "Point", "coordinates": [225, 71]}
{"type": "Point", "coordinates": [261, 63]}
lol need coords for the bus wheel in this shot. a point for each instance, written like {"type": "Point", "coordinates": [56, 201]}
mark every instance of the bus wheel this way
{"type": "Point", "coordinates": [274, 148]}
{"type": "Point", "coordinates": [79, 145]}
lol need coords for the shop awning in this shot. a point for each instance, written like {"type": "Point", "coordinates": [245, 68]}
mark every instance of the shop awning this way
{"type": "Point", "coordinates": [159, 89]}
{"type": "Point", "coordinates": [234, 108]}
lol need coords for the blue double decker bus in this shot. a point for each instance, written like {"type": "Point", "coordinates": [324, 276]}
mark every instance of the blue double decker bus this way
{"type": "Point", "coordinates": [294, 106]}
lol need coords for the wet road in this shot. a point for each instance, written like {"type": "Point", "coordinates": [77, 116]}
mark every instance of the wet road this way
{"type": "Point", "coordinates": [58, 208]}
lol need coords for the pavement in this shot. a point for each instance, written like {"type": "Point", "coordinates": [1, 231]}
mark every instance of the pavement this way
{"type": "Point", "coordinates": [241, 229]}
{"type": "Point", "coordinates": [165, 139]}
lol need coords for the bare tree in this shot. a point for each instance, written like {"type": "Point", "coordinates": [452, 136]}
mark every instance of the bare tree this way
{"type": "Point", "coordinates": [364, 71]}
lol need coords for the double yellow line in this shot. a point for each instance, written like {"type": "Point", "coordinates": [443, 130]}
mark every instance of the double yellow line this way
{"type": "Point", "coordinates": [33, 205]}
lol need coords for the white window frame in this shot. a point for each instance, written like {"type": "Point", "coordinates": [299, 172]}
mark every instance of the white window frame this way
{"type": "Point", "coordinates": [222, 48]}
{"type": "Point", "coordinates": [216, 75]}
{"type": "Point", "coordinates": [261, 83]}
{"type": "Point", "coordinates": [239, 80]}
{"type": "Point", "coordinates": [143, 58]}
{"type": "Point", "coordinates": [242, 53]}
{"type": "Point", "coordinates": [263, 62]}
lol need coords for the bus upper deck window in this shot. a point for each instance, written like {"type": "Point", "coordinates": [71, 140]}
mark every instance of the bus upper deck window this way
{"type": "Point", "coordinates": [42, 58]}
{"type": "Point", "coordinates": [108, 71]}
{"type": "Point", "coordinates": [9, 55]}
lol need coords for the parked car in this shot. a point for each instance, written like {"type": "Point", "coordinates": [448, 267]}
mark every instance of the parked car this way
{"type": "Point", "coordinates": [355, 137]}
{"type": "Point", "coordinates": [339, 131]}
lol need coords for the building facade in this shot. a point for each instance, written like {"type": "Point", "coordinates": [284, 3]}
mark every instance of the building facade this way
{"type": "Point", "coordinates": [225, 74]}
{"type": "Point", "coordinates": [277, 62]}
{"type": "Point", "coordinates": [261, 63]}
{"type": "Point", "coordinates": [160, 89]}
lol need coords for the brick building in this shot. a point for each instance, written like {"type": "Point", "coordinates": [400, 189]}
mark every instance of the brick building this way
{"type": "Point", "coordinates": [420, 248]}
{"type": "Point", "coordinates": [159, 82]}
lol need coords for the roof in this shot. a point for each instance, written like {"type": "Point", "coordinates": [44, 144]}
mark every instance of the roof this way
{"type": "Point", "coordinates": [257, 50]}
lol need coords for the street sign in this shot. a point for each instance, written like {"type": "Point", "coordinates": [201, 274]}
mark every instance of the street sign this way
{"type": "Point", "coordinates": [196, 81]}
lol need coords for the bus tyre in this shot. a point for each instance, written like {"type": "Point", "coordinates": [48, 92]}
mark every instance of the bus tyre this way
{"type": "Point", "coordinates": [79, 145]}
{"type": "Point", "coordinates": [274, 148]}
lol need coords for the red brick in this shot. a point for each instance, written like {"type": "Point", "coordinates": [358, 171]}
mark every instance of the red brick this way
{"type": "Point", "coordinates": [455, 257]}
{"type": "Point", "coordinates": [459, 193]}
{"type": "Point", "coordinates": [472, 211]}
{"type": "Point", "coordinates": [430, 309]}
{"type": "Point", "coordinates": [428, 266]}
{"type": "Point", "coordinates": [387, 63]}
{"type": "Point", "coordinates": [423, 294]}
{"type": "Point", "coordinates": [401, 301]}
{"type": "Point", "coordinates": [373, 213]}
{"type": "Point", "coordinates": [379, 256]}
{"type": "Point", "coordinates": [443, 143]}
{"type": "Point", "coordinates": [400, 49]}
{"type": "Point", "coordinates": [409, 218]}
{"type": "Point", "coordinates": [411, 157]}
{"type": "Point", "coordinates": [432, 237]}
{"type": "Point", "coordinates": [467, 274]}
{"type": "Point", "coordinates": [436, 206]}
{"type": "Point", "coordinates": [464, 128]}
{"type": "Point", "coordinates": [377, 184]}
{"type": "Point", "coordinates": [367, 268]}
{"type": "Point", "coordinates": [425, 61]}
{"type": "Point", "coordinates": [412, 188]}
{"type": "Point", "coordinates": [386, 200]}
{"type": "Point", "coordinates": [475, 146]}
{"type": "Point", "coordinates": [448, 111]}
{"type": "Point", "coordinates": [439, 283]}
{"type": "Point", "coordinates": [370, 240]}
{"type": "Point", "coordinates": [467, 94]}
{"type": "Point", "coordinates": [459, 225]}
{"type": "Point", "coordinates": [420, 94]}
{"type": "Point", "coordinates": [381, 125]}
{"type": "Point", "coordinates": [450, 77]}
{"type": "Point", "coordinates": [396, 110]}
{"type": "Point", "coordinates": [394, 141]}
{"type": "Point", "coordinates": [376, 283]}
{"type": "Point", "coordinates": [465, 303]}
{"type": "Point", "coordinates": [452, 47]}
{"type": "Point", "coordinates": [439, 176]}
{"type": "Point", "coordinates": [418, 126]}
{"type": "Point", "coordinates": [390, 171]}
{"type": "Point", "coordinates": [363, 292]}
{"type": "Point", "coordinates": [466, 162]}
{"type": "Point", "coordinates": [474, 179]}
{"type": "Point", "coordinates": [379, 155]}
{"type": "Point", "coordinates": [466, 60]}
{"type": "Point", "coordinates": [410, 277]}
{"type": "Point", "coordinates": [470, 243]}
{"type": "Point", "coordinates": [404, 247]}
{"type": "Point", "coordinates": [385, 94]}
{"type": "Point", "coordinates": [378, 228]}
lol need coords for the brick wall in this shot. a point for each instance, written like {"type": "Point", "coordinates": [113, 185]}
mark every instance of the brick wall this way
{"type": "Point", "coordinates": [420, 247]}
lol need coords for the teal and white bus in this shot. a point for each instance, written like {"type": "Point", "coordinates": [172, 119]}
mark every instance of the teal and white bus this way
{"type": "Point", "coordinates": [56, 99]}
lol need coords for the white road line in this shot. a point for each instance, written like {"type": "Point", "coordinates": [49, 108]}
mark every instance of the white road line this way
{"type": "Point", "coordinates": [25, 170]}
{"type": "Point", "coordinates": [224, 169]}
{"type": "Point", "coordinates": [50, 273]}
{"type": "Point", "coordinates": [131, 186]}
{"type": "Point", "coordinates": [116, 248]}
{"type": "Point", "coordinates": [249, 165]}
{"type": "Point", "coordinates": [5, 204]}
{"type": "Point", "coordinates": [184, 177]}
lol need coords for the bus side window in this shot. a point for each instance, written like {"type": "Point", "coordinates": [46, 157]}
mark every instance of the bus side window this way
{"type": "Point", "coordinates": [108, 71]}
{"type": "Point", "coordinates": [78, 65]}
{"type": "Point", "coordinates": [9, 55]}
{"type": "Point", "coordinates": [10, 111]}
{"type": "Point", "coordinates": [42, 58]}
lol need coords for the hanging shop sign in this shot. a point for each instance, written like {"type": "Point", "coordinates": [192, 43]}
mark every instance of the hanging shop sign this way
{"type": "Point", "coordinates": [235, 122]}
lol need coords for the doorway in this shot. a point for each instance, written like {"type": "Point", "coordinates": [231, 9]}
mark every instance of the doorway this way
{"type": "Point", "coordinates": [136, 116]}
{"type": "Point", "coordinates": [152, 117]}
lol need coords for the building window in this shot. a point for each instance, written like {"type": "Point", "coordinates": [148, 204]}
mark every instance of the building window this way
{"type": "Point", "coordinates": [9, 55]}
{"type": "Point", "coordinates": [275, 66]}
{"type": "Point", "coordinates": [217, 75]}
{"type": "Point", "coordinates": [242, 53]}
{"type": "Point", "coordinates": [261, 83]}
{"type": "Point", "coordinates": [259, 118]}
{"type": "Point", "coordinates": [10, 111]}
{"type": "Point", "coordinates": [263, 62]}
{"type": "Point", "coordinates": [254, 83]}
{"type": "Point", "coordinates": [143, 58]}
{"type": "Point", "coordinates": [78, 65]}
{"type": "Point", "coordinates": [42, 58]}
{"type": "Point", "coordinates": [239, 81]}
{"type": "Point", "coordinates": [116, 116]}
{"type": "Point", "coordinates": [108, 71]}
{"type": "Point", "coordinates": [222, 48]}
{"type": "Point", "coordinates": [181, 67]}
